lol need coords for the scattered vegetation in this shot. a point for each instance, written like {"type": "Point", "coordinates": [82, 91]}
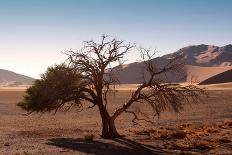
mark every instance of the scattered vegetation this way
{"type": "Point", "coordinates": [190, 136]}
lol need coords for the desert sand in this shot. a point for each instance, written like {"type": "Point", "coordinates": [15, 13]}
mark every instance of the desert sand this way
{"type": "Point", "coordinates": [198, 74]}
{"type": "Point", "coordinates": [206, 128]}
{"type": "Point", "coordinates": [223, 77]}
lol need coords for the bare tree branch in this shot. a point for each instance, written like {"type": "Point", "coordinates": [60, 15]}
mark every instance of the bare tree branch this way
{"type": "Point", "coordinates": [87, 77]}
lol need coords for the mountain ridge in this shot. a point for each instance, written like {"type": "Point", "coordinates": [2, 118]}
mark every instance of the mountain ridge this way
{"type": "Point", "coordinates": [201, 61]}
{"type": "Point", "coordinates": [205, 55]}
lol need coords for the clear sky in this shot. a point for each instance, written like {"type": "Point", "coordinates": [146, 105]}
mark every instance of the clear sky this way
{"type": "Point", "coordinates": [33, 33]}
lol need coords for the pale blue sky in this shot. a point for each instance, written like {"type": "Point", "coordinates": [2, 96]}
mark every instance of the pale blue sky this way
{"type": "Point", "coordinates": [34, 32]}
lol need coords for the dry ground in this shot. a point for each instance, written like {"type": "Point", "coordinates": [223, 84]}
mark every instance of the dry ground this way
{"type": "Point", "coordinates": [200, 129]}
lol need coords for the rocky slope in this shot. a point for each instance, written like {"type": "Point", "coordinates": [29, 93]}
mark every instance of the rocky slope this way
{"type": "Point", "coordinates": [201, 63]}
{"type": "Point", "coordinates": [9, 78]}
{"type": "Point", "coordinates": [205, 55]}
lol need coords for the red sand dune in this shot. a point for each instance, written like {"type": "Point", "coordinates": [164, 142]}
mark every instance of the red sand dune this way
{"type": "Point", "coordinates": [219, 78]}
{"type": "Point", "coordinates": [199, 74]}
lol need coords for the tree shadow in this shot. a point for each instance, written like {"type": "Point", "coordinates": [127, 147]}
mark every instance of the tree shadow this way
{"type": "Point", "coordinates": [106, 147]}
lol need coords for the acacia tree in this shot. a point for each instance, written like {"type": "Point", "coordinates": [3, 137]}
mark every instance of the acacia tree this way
{"type": "Point", "coordinates": [87, 76]}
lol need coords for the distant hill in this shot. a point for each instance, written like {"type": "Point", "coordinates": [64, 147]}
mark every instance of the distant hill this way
{"type": "Point", "coordinates": [202, 62]}
{"type": "Point", "coordinates": [11, 78]}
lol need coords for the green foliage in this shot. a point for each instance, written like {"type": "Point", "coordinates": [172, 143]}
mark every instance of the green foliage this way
{"type": "Point", "coordinates": [60, 86]}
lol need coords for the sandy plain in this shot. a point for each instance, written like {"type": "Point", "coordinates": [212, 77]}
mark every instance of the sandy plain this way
{"type": "Point", "coordinates": [206, 128]}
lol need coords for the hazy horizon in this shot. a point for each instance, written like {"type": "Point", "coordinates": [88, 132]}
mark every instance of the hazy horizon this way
{"type": "Point", "coordinates": [34, 33]}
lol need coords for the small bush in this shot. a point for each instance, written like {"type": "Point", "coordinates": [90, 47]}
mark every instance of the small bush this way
{"type": "Point", "coordinates": [88, 137]}
{"type": "Point", "coordinates": [179, 134]}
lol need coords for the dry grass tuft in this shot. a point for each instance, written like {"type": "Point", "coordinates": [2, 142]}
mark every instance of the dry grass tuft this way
{"type": "Point", "coordinates": [224, 140]}
{"type": "Point", "coordinates": [227, 123]}
{"type": "Point", "coordinates": [202, 145]}
{"type": "Point", "coordinates": [211, 130]}
{"type": "Point", "coordinates": [88, 137]}
{"type": "Point", "coordinates": [178, 134]}
{"type": "Point", "coordinates": [189, 131]}
{"type": "Point", "coordinates": [202, 133]}
{"type": "Point", "coordinates": [220, 126]}
{"type": "Point", "coordinates": [188, 136]}
{"type": "Point", "coordinates": [184, 125]}
{"type": "Point", "coordinates": [6, 144]}
{"type": "Point", "coordinates": [164, 134]}
{"type": "Point", "coordinates": [143, 132]}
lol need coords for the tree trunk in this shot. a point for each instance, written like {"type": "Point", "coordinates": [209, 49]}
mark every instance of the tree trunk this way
{"type": "Point", "coordinates": [108, 126]}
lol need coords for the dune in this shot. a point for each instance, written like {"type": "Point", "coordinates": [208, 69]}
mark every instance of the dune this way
{"type": "Point", "coordinates": [204, 55]}
{"type": "Point", "coordinates": [199, 74]}
{"type": "Point", "coordinates": [134, 74]}
{"type": "Point", "coordinates": [202, 62]}
{"type": "Point", "coordinates": [223, 77]}
{"type": "Point", "coordinates": [219, 86]}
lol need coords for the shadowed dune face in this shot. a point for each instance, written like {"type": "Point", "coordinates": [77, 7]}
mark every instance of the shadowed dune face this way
{"type": "Point", "coordinates": [199, 74]}
{"type": "Point", "coordinates": [219, 78]}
